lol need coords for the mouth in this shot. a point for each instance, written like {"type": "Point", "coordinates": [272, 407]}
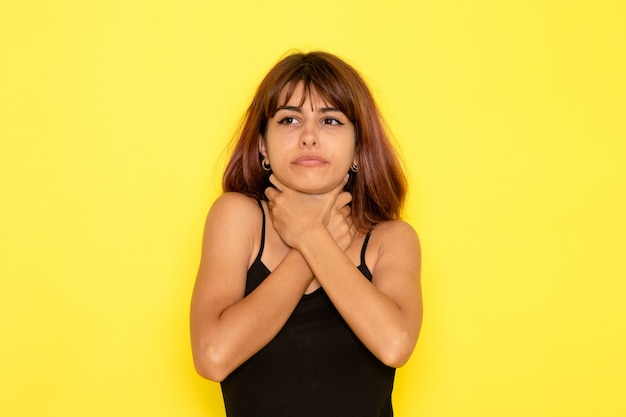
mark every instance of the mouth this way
{"type": "Point", "coordinates": [309, 161]}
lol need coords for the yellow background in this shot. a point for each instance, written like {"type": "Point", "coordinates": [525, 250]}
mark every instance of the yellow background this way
{"type": "Point", "coordinates": [511, 119]}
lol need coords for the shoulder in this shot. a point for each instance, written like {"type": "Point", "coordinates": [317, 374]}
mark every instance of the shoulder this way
{"type": "Point", "coordinates": [233, 200]}
{"type": "Point", "coordinates": [235, 206]}
{"type": "Point", "coordinates": [233, 212]}
{"type": "Point", "coordinates": [395, 231]}
{"type": "Point", "coordinates": [395, 240]}
{"type": "Point", "coordinates": [233, 227]}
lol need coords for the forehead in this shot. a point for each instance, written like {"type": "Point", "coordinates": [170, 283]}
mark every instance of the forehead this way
{"type": "Point", "coordinates": [297, 94]}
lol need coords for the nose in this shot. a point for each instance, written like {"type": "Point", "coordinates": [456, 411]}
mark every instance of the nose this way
{"type": "Point", "coordinates": [309, 136]}
{"type": "Point", "coordinates": [309, 140]}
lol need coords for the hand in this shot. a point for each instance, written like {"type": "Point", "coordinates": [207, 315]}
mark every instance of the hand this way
{"type": "Point", "coordinates": [295, 215]}
{"type": "Point", "coordinates": [340, 223]}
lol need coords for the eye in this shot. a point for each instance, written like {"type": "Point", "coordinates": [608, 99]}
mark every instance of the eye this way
{"type": "Point", "coordinates": [287, 120]}
{"type": "Point", "coordinates": [331, 121]}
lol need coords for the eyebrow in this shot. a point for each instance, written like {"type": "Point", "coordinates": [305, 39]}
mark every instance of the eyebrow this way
{"type": "Point", "coordinates": [299, 109]}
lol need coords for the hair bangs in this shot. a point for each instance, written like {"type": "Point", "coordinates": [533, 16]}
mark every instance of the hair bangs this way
{"type": "Point", "coordinates": [317, 81]}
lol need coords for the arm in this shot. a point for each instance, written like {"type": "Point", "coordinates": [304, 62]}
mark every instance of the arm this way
{"type": "Point", "coordinates": [226, 328]}
{"type": "Point", "coordinates": [386, 313]}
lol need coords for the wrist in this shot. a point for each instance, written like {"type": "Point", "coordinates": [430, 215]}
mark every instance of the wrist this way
{"type": "Point", "coordinates": [313, 239]}
{"type": "Point", "coordinates": [299, 263]}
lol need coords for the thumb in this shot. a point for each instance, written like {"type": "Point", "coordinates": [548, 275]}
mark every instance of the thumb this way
{"type": "Point", "coordinates": [343, 199]}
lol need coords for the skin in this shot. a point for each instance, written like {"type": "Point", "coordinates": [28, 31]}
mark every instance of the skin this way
{"type": "Point", "coordinates": [310, 242]}
{"type": "Point", "coordinates": [310, 147]}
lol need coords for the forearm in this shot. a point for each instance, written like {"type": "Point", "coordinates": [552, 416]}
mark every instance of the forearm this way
{"type": "Point", "coordinates": [374, 317]}
{"type": "Point", "coordinates": [246, 326]}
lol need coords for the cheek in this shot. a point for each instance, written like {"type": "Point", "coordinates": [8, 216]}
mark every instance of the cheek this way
{"type": "Point", "coordinates": [350, 150]}
{"type": "Point", "coordinates": [275, 152]}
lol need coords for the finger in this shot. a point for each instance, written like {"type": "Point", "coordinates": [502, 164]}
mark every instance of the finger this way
{"type": "Point", "coordinates": [343, 199]}
{"type": "Point", "coordinates": [271, 193]}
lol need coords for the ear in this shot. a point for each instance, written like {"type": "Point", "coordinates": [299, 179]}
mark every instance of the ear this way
{"type": "Point", "coordinates": [262, 148]}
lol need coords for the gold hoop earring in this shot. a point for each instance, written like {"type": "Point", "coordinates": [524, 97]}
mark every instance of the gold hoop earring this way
{"type": "Point", "coordinates": [354, 167]}
{"type": "Point", "coordinates": [266, 165]}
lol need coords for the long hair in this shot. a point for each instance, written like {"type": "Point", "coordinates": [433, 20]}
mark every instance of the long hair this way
{"type": "Point", "coordinates": [378, 188]}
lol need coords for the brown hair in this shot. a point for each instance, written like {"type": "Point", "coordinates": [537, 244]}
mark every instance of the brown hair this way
{"type": "Point", "coordinates": [378, 189]}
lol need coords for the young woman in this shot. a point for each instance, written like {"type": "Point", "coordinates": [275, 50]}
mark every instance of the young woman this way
{"type": "Point", "coordinates": [308, 294]}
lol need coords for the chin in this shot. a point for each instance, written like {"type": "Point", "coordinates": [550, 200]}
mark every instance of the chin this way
{"type": "Point", "coordinates": [311, 189]}
{"type": "Point", "coordinates": [317, 191]}
{"type": "Point", "coordinates": [310, 182]}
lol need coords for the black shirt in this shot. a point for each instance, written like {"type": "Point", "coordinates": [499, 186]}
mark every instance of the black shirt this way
{"type": "Point", "coordinates": [314, 367]}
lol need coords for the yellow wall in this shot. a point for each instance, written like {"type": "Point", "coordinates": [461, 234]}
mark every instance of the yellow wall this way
{"type": "Point", "coordinates": [511, 117]}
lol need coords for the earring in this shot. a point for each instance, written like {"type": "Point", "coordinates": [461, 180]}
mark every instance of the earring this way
{"type": "Point", "coordinates": [266, 165]}
{"type": "Point", "coordinates": [354, 167]}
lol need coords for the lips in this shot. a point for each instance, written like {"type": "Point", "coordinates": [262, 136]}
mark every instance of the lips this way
{"type": "Point", "coordinates": [309, 161]}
